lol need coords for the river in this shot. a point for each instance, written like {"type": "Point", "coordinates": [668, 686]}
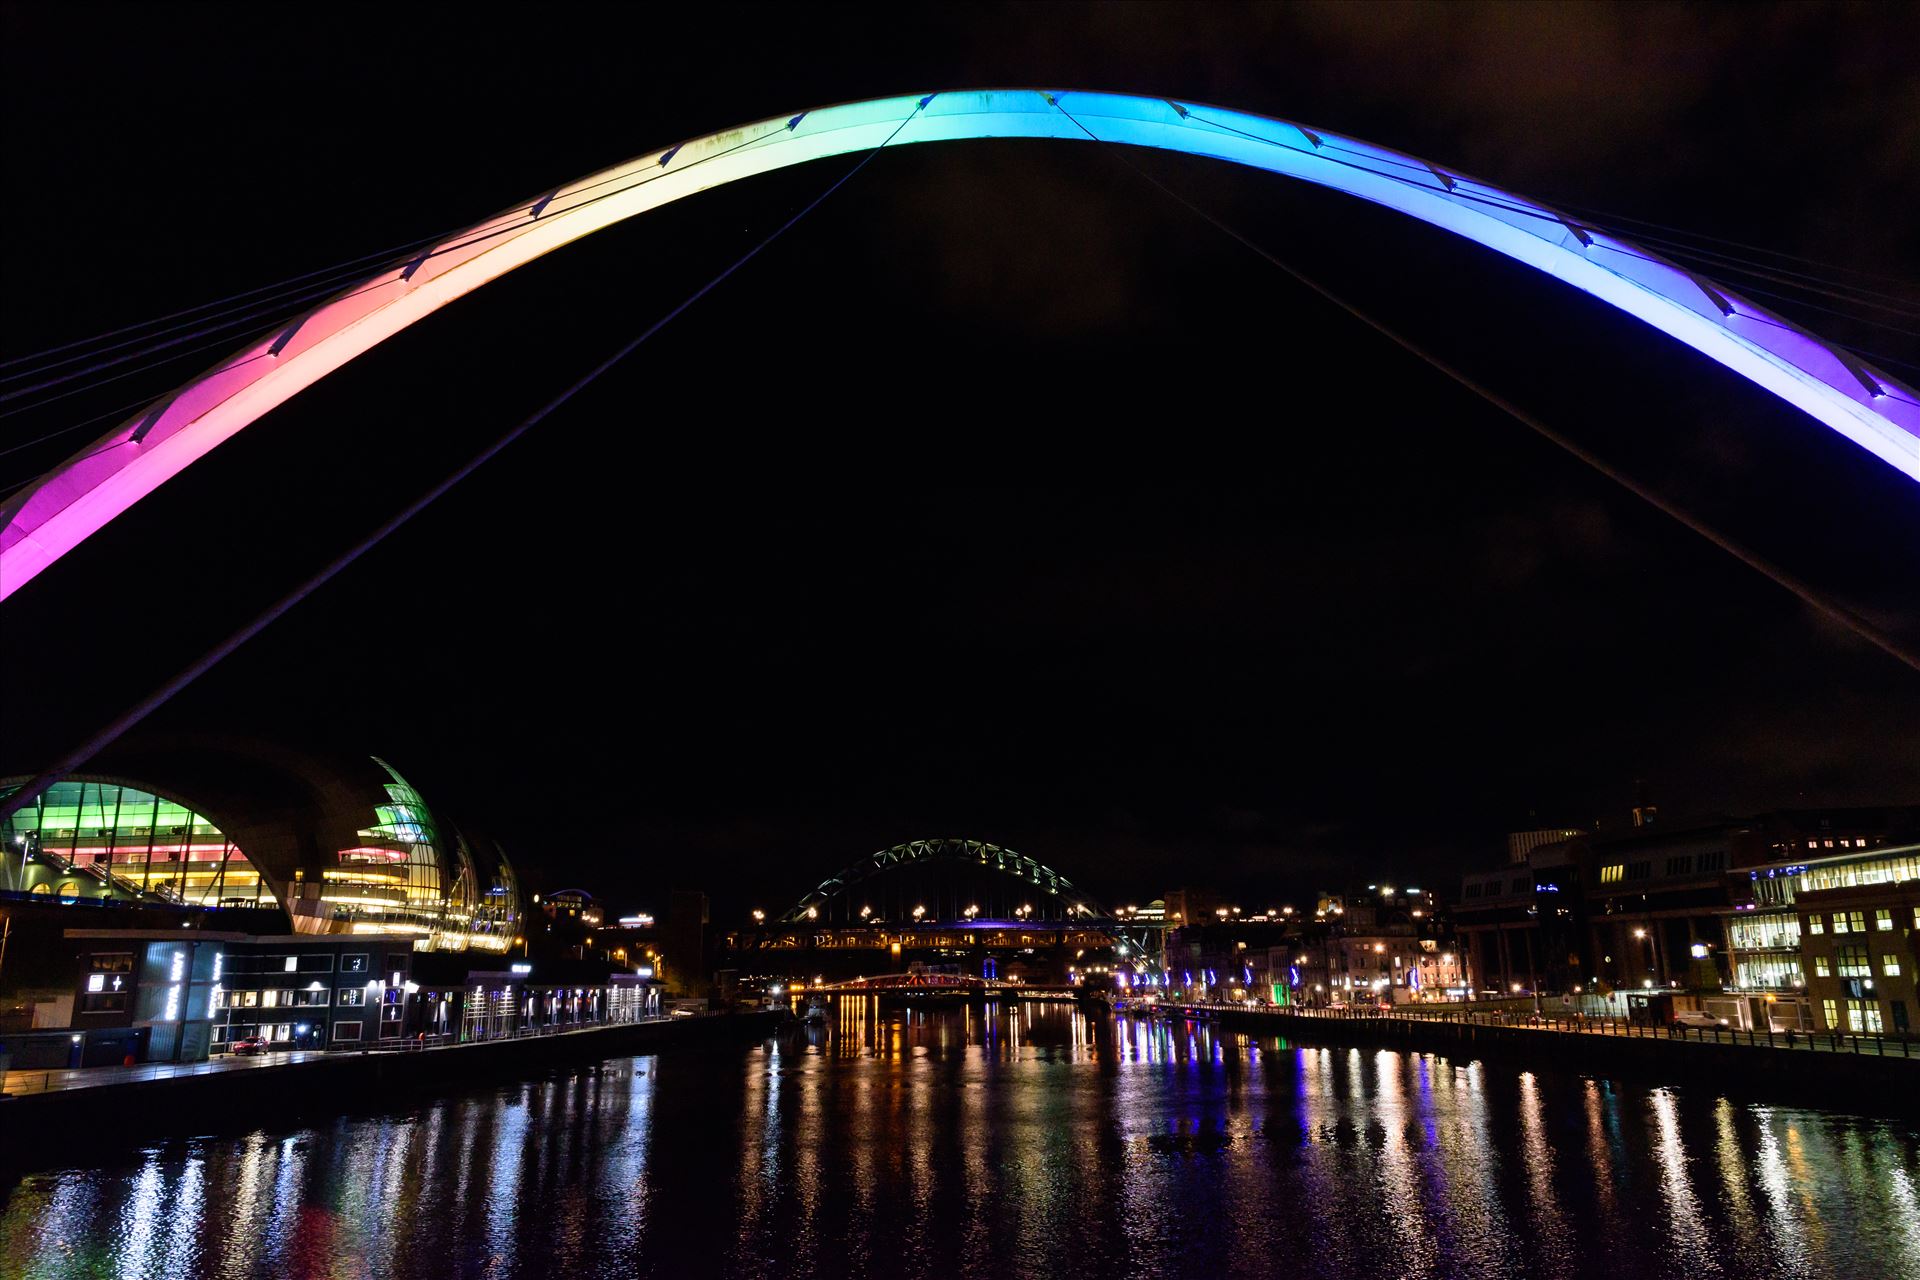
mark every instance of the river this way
{"type": "Point", "coordinates": [1027, 1141]}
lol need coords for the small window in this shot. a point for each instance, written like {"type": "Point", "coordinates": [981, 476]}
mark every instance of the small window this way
{"type": "Point", "coordinates": [353, 996]}
{"type": "Point", "coordinates": [1883, 919]}
{"type": "Point", "coordinates": [353, 964]}
{"type": "Point", "coordinates": [111, 962]}
{"type": "Point", "coordinates": [1853, 962]}
{"type": "Point", "coordinates": [1816, 924]}
{"type": "Point", "coordinates": [1830, 1010]}
{"type": "Point", "coordinates": [1822, 969]}
{"type": "Point", "coordinates": [1856, 920]}
{"type": "Point", "coordinates": [1890, 964]}
{"type": "Point", "coordinates": [345, 1031]}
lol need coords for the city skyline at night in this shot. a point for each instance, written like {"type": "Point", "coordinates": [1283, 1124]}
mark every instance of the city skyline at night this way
{"type": "Point", "coordinates": [1293, 653]}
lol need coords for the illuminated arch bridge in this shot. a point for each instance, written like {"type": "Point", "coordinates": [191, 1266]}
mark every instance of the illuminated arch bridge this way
{"type": "Point", "coordinates": [1848, 394]}
{"type": "Point", "coordinates": [929, 883]}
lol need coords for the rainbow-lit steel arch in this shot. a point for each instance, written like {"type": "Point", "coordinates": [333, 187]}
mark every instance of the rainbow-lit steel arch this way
{"type": "Point", "coordinates": [56, 512]}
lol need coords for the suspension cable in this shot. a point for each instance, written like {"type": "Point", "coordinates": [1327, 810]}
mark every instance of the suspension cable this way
{"type": "Point", "coordinates": [1805, 591]}
{"type": "Point", "coordinates": [201, 665]}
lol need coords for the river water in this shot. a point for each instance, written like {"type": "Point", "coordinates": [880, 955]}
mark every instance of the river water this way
{"type": "Point", "coordinates": [1025, 1141]}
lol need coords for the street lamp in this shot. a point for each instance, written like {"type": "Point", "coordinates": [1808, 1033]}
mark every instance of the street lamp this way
{"type": "Point", "coordinates": [1640, 935]}
{"type": "Point", "coordinates": [759, 916]}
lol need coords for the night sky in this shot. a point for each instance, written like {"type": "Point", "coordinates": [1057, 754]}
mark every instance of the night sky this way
{"type": "Point", "coordinates": [1002, 497]}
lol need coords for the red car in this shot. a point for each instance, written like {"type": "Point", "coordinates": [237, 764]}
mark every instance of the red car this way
{"type": "Point", "coordinates": [247, 1045]}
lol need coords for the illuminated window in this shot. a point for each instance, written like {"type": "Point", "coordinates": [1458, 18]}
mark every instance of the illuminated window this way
{"type": "Point", "coordinates": [1853, 962]}
{"type": "Point", "coordinates": [1856, 921]}
{"type": "Point", "coordinates": [353, 995]}
{"type": "Point", "coordinates": [1608, 875]}
{"type": "Point", "coordinates": [1821, 969]}
{"type": "Point", "coordinates": [1890, 965]}
{"type": "Point", "coordinates": [1829, 1010]}
{"type": "Point", "coordinates": [1883, 919]}
{"type": "Point", "coordinates": [1816, 924]}
{"type": "Point", "coordinates": [1863, 1016]}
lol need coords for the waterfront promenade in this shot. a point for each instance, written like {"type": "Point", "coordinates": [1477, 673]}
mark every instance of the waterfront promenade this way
{"type": "Point", "coordinates": [1813, 1042]}
{"type": "Point", "coordinates": [23, 1083]}
{"type": "Point", "coordinates": [159, 1099]}
{"type": "Point", "coordinates": [1870, 1074]}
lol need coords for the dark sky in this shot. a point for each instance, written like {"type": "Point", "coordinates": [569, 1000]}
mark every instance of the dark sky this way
{"type": "Point", "coordinates": [1002, 497]}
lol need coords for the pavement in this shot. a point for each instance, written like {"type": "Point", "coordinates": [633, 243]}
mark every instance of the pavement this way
{"type": "Point", "coordinates": [20, 1083]}
{"type": "Point", "coordinates": [51, 1081]}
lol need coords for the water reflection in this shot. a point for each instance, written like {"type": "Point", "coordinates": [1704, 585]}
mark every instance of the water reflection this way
{"type": "Point", "coordinates": [1021, 1140]}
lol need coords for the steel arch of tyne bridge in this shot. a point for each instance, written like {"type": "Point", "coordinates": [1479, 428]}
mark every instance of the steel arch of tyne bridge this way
{"type": "Point", "coordinates": [1057, 897]}
{"type": "Point", "coordinates": [60, 509]}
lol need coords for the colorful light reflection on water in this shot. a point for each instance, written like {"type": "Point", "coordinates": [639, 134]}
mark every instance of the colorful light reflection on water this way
{"type": "Point", "coordinates": [1006, 1142]}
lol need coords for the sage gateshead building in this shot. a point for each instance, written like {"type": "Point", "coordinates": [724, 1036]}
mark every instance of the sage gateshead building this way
{"type": "Point", "coordinates": [342, 845]}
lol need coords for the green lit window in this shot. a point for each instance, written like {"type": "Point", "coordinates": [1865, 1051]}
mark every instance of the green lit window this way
{"type": "Point", "coordinates": [1853, 962]}
{"type": "Point", "coordinates": [1890, 965]}
{"type": "Point", "coordinates": [1816, 924]}
{"type": "Point", "coordinates": [1856, 921]}
{"type": "Point", "coordinates": [1830, 1011]}
{"type": "Point", "coordinates": [1839, 922]}
{"type": "Point", "coordinates": [1821, 969]}
{"type": "Point", "coordinates": [1883, 919]}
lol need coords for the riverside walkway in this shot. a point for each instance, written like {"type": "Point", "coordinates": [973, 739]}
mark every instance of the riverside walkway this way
{"type": "Point", "coordinates": [1562, 1024]}
{"type": "Point", "coordinates": [59, 1080]}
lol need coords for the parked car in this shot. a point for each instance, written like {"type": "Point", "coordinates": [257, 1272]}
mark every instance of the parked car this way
{"type": "Point", "coordinates": [247, 1046]}
{"type": "Point", "coordinates": [1698, 1018]}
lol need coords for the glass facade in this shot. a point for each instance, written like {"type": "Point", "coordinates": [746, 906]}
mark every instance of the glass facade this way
{"type": "Point", "coordinates": [410, 873]}
{"type": "Point", "coordinates": [95, 839]}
